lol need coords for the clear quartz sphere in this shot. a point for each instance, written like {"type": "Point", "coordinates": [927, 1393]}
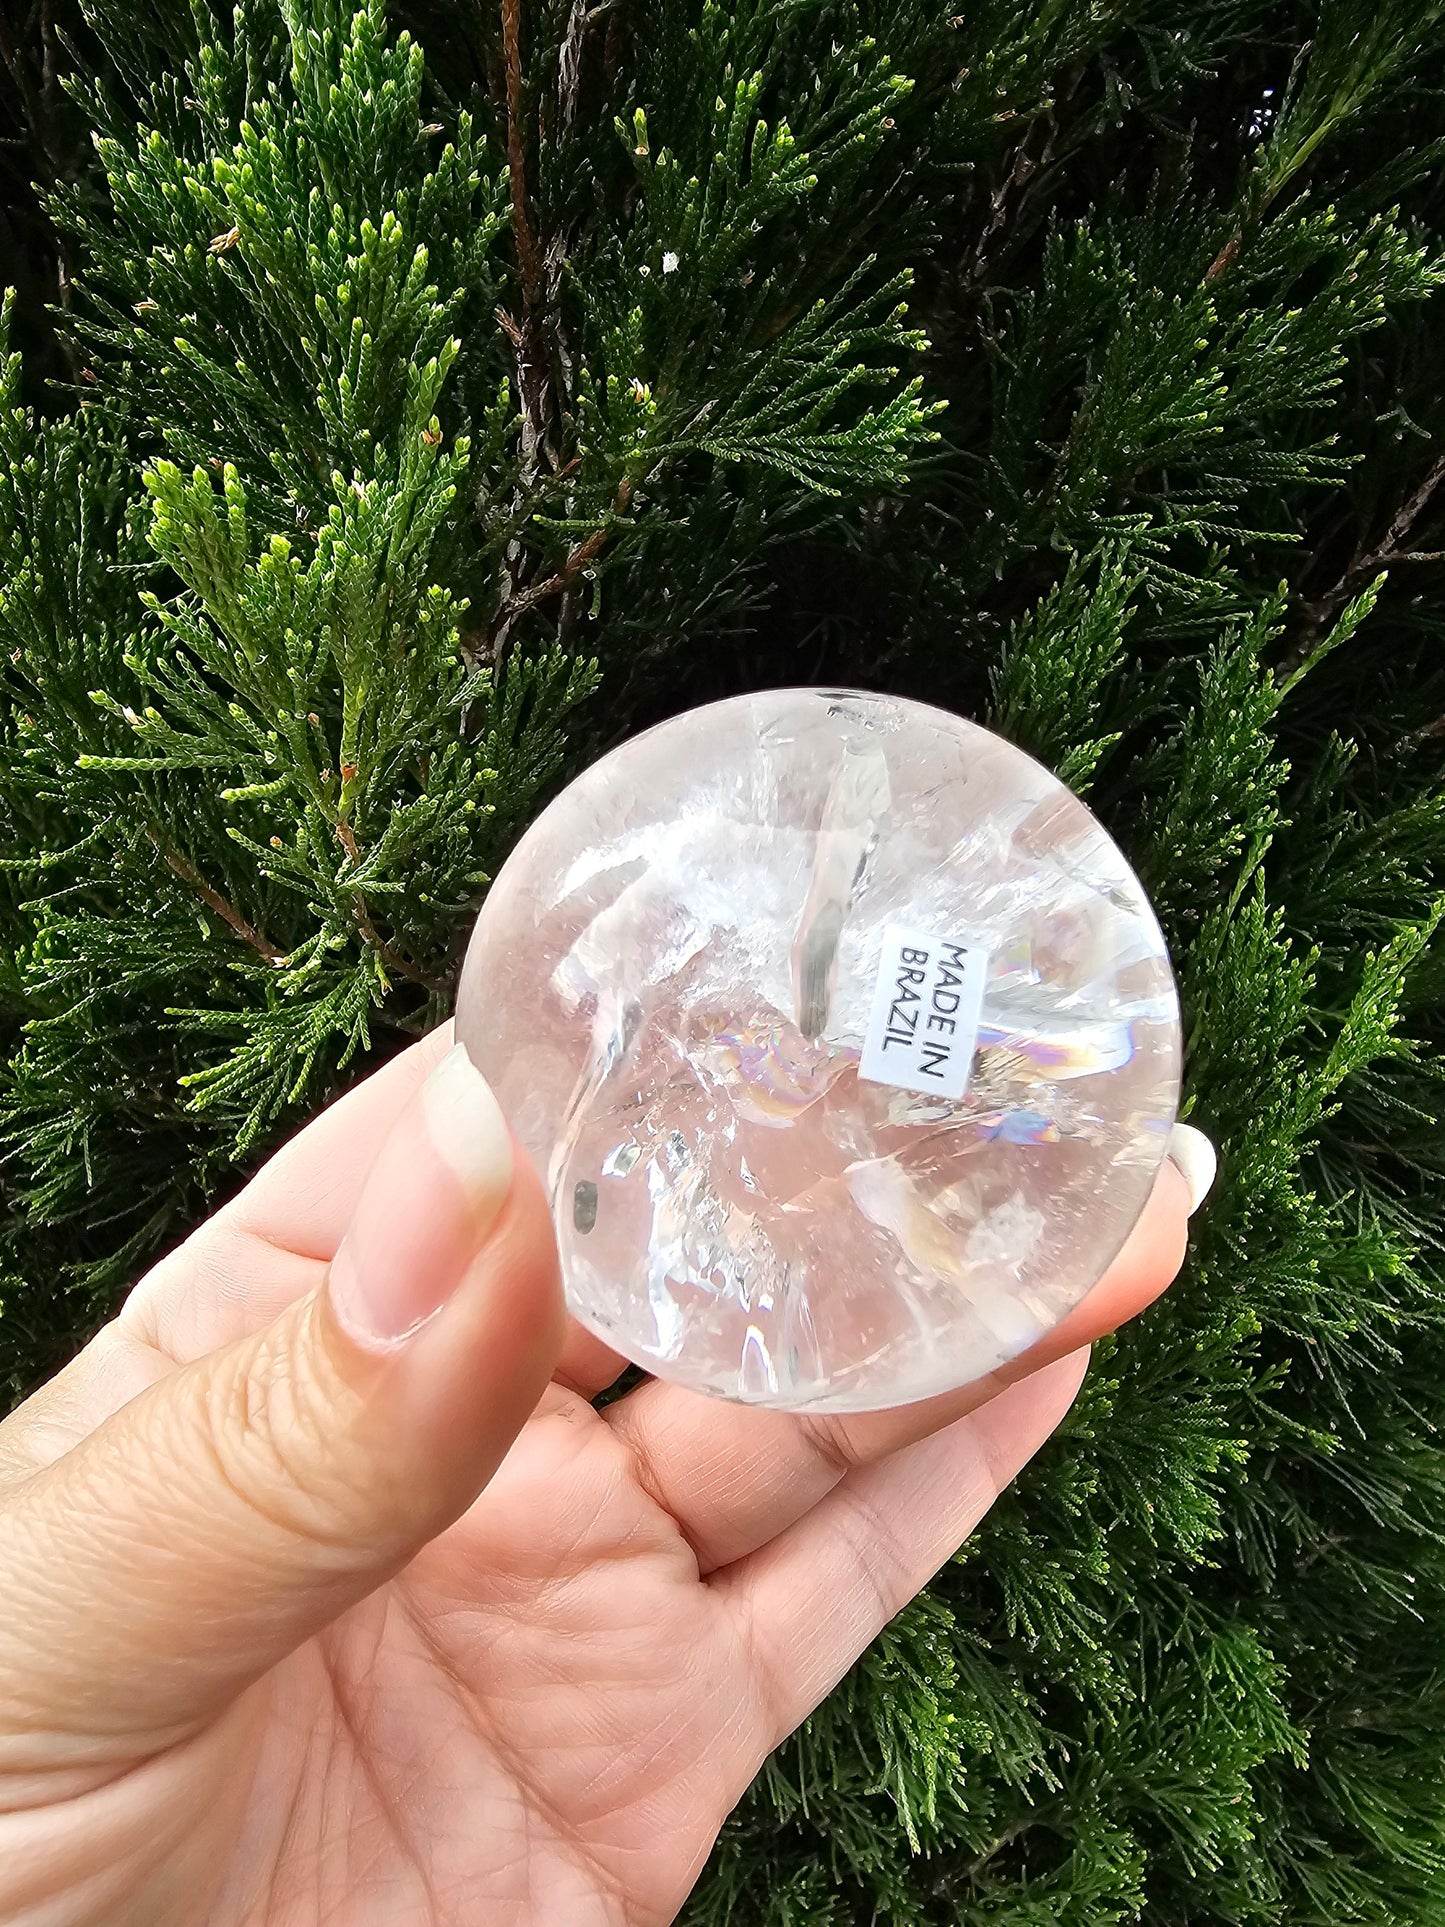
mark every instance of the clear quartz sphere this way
{"type": "Point", "coordinates": [844, 1038]}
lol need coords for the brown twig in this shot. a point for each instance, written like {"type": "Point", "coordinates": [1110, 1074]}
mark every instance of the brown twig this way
{"type": "Point", "coordinates": [257, 939]}
{"type": "Point", "coordinates": [1224, 260]}
{"type": "Point", "coordinates": [1387, 552]}
{"type": "Point", "coordinates": [569, 55]}
{"type": "Point", "coordinates": [361, 916]}
{"type": "Point", "coordinates": [518, 600]}
{"type": "Point", "coordinates": [536, 592]}
{"type": "Point", "coordinates": [538, 340]}
{"type": "Point", "coordinates": [49, 60]}
{"type": "Point", "coordinates": [391, 957]}
{"type": "Point", "coordinates": [1031, 157]}
{"type": "Point", "coordinates": [529, 336]}
{"type": "Point", "coordinates": [212, 898]}
{"type": "Point", "coordinates": [576, 561]}
{"type": "Point", "coordinates": [953, 1878]}
{"type": "Point", "coordinates": [529, 260]}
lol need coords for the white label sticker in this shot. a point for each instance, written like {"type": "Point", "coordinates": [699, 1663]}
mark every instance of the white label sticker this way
{"type": "Point", "coordinates": [926, 1008]}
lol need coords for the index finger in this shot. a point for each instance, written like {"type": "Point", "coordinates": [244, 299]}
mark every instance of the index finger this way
{"type": "Point", "coordinates": [273, 1241]}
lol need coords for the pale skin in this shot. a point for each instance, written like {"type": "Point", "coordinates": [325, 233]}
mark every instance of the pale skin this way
{"type": "Point", "coordinates": [303, 1621]}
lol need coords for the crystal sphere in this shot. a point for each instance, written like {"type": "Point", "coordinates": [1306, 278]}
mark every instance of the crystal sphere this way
{"type": "Point", "coordinates": [845, 1041]}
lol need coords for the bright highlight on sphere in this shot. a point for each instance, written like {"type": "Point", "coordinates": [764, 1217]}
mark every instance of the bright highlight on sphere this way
{"type": "Point", "coordinates": [844, 1038]}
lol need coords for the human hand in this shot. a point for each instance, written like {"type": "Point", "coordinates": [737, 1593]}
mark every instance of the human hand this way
{"type": "Point", "coordinates": [326, 1596]}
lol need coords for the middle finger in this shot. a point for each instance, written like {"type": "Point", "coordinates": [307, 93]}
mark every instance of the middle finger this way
{"type": "Point", "coordinates": [734, 1476]}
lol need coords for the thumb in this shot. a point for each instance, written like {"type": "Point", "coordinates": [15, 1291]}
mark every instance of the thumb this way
{"type": "Point", "coordinates": [239, 1504]}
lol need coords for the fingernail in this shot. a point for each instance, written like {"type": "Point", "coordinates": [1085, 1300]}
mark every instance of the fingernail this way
{"type": "Point", "coordinates": [469, 1131]}
{"type": "Point", "coordinates": [1197, 1158]}
{"type": "Point", "coordinates": [434, 1193]}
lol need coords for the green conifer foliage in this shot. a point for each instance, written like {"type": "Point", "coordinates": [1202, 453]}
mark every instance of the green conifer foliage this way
{"type": "Point", "coordinates": [403, 401]}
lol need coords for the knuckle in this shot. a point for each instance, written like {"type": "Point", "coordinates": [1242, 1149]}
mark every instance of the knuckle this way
{"type": "Point", "coordinates": [882, 1561]}
{"type": "Point", "coordinates": [274, 1424]}
{"type": "Point", "coordinates": [831, 1444]}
